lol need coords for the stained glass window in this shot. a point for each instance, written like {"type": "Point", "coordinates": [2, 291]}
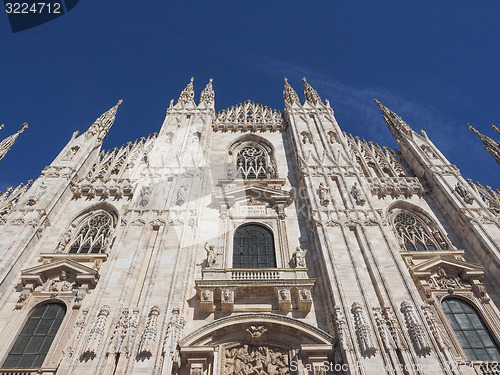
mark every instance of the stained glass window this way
{"type": "Point", "coordinates": [33, 343]}
{"type": "Point", "coordinates": [470, 330]}
{"type": "Point", "coordinates": [253, 247]}
{"type": "Point", "coordinates": [413, 233]}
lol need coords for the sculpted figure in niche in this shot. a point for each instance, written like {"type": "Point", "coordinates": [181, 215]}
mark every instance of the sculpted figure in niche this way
{"type": "Point", "coordinates": [466, 196]}
{"type": "Point", "coordinates": [211, 260]}
{"type": "Point", "coordinates": [299, 257]}
{"type": "Point", "coordinates": [358, 195]}
{"type": "Point", "coordinates": [181, 195]}
{"type": "Point", "coordinates": [323, 193]}
{"type": "Point", "coordinates": [61, 246]}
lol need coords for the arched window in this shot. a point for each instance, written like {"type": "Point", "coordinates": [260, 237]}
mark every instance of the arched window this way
{"type": "Point", "coordinates": [33, 343]}
{"type": "Point", "coordinates": [251, 163]}
{"type": "Point", "coordinates": [470, 330]}
{"type": "Point", "coordinates": [253, 247]}
{"type": "Point", "coordinates": [93, 235]}
{"type": "Point", "coordinates": [413, 233]}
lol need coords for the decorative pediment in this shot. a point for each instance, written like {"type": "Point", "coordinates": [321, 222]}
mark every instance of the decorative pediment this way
{"type": "Point", "coordinates": [39, 275]}
{"type": "Point", "coordinates": [255, 191]}
{"type": "Point", "coordinates": [452, 266]}
{"type": "Point", "coordinates": [442, 275]}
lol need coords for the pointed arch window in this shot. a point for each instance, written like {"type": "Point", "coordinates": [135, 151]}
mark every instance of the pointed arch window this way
{"type": "Point", "coordinates": [93, 235]}
{"type": "Point", "coordinates": [34, 341]}
{"type": "Point", "coordinates": [413, 233]}
{"type": "Point", "coordinates": [253, 247]}
{"type": "Point", "coordinates": [470, 330]}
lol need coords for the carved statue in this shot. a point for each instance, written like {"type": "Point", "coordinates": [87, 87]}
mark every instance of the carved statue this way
{"type": "Point", "coordinates": [464, 193]}
{"type": "Point", "coordinates": [299, 257]}
{"type": "Point", "coordinates": [61, 246]}
{"type": "Point", "coordinates": [181, 196]}
{"type": "Point", "coordinates": [324, 195]}
{"type": "Point", "coordinates": [211, 260]}
{"type": "Point", "coordinates": [358, 195]}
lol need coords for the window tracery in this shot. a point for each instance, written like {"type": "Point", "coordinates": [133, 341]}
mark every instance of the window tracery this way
{"type": "Point", "coordinates": [413, 233]}
{"type": "Point", "coordinates": [93, 236]}
{"type": "Point", "coordinates": [470, 330]}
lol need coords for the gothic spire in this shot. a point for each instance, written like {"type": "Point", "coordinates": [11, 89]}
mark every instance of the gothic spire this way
{"type": "Point", "coordinates": [289, 94]}
{"type": "Point", "coordinates": [207, 96]}
{"type": "Point", "coordinates": [7, 143]}
{"type": "Point", "coordinates": [102, 125]}
{"type": "Point", "coordinates": [187, 95]}
{"type": "Point", "coordinates": [395, 123]}
{"type": "Point", "coordinates": [311, 94]}
{"type": "Point", "coordinates": [489, 144]}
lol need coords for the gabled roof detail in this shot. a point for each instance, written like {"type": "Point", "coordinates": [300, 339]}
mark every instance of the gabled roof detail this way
{"type": "Point", "coordinates": [249, 116]}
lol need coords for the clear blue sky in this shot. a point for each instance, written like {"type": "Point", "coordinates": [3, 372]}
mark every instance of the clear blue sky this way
{"type": "Point", "coordinates": [436, 64]}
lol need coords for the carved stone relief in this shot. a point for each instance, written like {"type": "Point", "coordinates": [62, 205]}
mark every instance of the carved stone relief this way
{"type": "Point", "coordinates": [253, 359]}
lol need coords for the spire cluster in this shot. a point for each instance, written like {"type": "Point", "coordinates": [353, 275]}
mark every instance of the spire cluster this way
{"type": "Point", "coordinates": [207, 96]}
{"type": "Point", "coordinates": [310, 94]}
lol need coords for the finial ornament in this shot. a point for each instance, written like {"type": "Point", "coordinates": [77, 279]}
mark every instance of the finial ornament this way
{"type": "Point", "coordinates": [8, 142]}
{"type": "Point", "coordinates": [289, 94]}
{"type": "Point", "coordinates": [207, 96]}
{"type": "Point", "coordinates": [187, 95]}
{"type": "Point", "coordinates": [489, 144]}
{"type": "Point", "coordinates": [311, 94]}
{"type": "Point", "coordinates": [495, 128]}
{"type": "Point", "coordinates": [101, 126]}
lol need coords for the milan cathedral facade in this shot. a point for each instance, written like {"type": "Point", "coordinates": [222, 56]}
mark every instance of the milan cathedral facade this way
{"type": "Point", "coordinates": [250, 241]}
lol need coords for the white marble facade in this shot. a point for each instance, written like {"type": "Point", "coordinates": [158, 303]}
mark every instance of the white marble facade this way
{"type": "Point", "coordinates": [136, 249]}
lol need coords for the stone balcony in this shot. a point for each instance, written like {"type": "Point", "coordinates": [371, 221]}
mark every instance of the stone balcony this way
{"type": "Point", "coordinates": [230, 289]}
